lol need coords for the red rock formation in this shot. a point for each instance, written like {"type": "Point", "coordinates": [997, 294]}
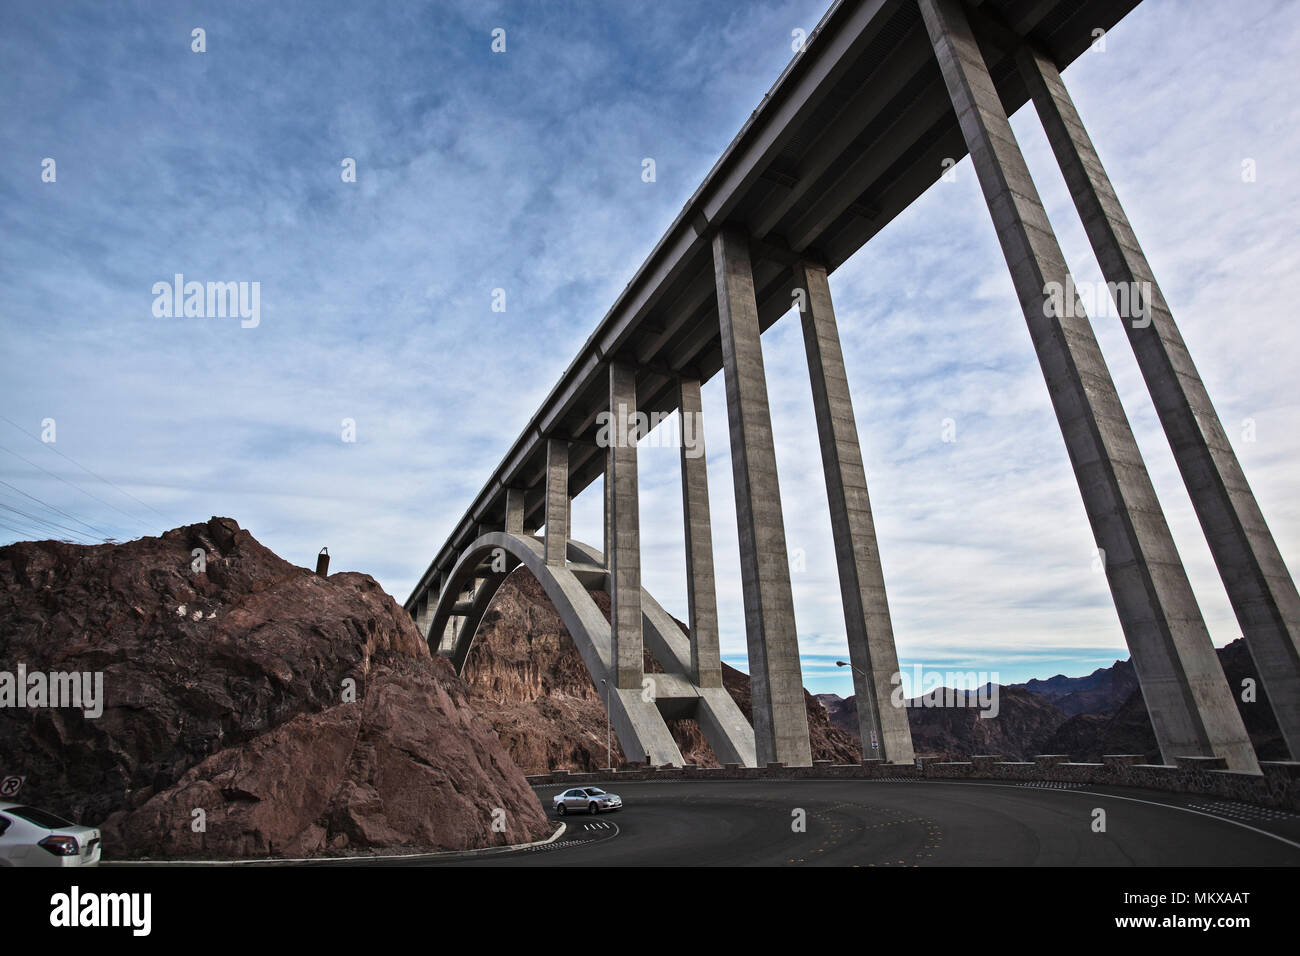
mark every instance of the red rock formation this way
{"type": "Point", "coordinates": [225, 692]}
{"type": "Point", "coordinates": [531, 683]}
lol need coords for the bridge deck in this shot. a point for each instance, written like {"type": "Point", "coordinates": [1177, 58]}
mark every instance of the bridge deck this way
{"type": "Point", "coordinates": [851, 133]}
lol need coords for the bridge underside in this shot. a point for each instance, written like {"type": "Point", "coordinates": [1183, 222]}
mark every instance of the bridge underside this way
{"type": "Point", "coordinates": [885, 97]}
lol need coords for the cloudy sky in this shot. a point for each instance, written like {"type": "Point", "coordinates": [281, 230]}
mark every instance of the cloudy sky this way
{"type": "Point", "coordinates": [522, 171]}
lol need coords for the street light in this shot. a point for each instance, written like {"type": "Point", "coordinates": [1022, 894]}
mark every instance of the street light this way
{"type": "Point", "coordinates": [609, 744]}
{"type": "Point", "coordinates": [869, 710]}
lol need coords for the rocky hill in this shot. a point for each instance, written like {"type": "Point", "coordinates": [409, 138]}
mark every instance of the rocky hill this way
{"type": "Point", "coordinates": [530, 682]}
{"type": "Point", "coordinates": [250, 708]}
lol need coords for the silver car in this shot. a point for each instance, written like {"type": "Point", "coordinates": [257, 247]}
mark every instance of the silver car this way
{"type": "Point", "coordinates": [586, 800]}
{"type": "Point", "coordinates": [32, 837]}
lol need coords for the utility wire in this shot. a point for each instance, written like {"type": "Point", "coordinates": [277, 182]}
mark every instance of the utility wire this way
{"type": "Point", "coordinates": [71, 485]}
{"type": "Point", "coordinates": [100, 532]}
{"type": "Point", "coordinates": [39, 534]}
{"type": "Point", "coordinates": [23, 534]}
{"type": "Point", "coordinates": [50, 446]}
{"type": "Point", "coordinates": [44, 524]}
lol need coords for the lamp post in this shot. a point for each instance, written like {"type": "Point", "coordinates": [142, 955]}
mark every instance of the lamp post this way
{"type": "Point", "coordinates": [873, 720]}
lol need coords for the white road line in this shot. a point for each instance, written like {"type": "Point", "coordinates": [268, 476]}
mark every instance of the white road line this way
{"type": "Point", "coordinates": [1112, 796]}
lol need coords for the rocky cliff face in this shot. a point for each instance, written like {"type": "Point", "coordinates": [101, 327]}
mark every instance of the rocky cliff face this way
{"type": "Point", "coordinates": [289, 714]}
{"type": "Point", "coordinates": [530, 682]}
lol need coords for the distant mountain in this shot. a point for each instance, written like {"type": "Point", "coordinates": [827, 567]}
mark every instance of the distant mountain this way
{"type": "Point", "coordinates": [1083, 717]}
{"type": "Point", "coordinates": [1103, 691]}
{"type": "Point", "coordinates": [1024, 721]}
{"type": "Point", "coordinates": [1126, 728]}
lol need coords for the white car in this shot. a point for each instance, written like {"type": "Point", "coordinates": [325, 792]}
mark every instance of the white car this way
{"type": "Point", "coordinates": [586, 800]}
{"type": "Point", "coordinates": [32, 837]}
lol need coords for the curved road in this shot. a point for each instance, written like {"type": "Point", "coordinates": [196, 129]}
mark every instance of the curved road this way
{"type": "Point", "coordinates": [911, 823]}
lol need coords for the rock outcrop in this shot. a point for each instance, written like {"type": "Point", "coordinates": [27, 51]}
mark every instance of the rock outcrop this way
{"type": "Point", "coordinates": [291, 714]}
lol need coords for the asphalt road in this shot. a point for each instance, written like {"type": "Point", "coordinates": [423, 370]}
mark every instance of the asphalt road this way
{"type": "Point", "coordinates": [931, 823]}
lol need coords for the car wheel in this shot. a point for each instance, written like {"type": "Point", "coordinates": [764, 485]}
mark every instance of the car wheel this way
{"type": "Point", "coordinates": [593, 809]}
{"type": "Point", "coordinates": [560, 809]}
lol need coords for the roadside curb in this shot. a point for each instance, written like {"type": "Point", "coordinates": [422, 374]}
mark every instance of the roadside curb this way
{"type": "Point", "coordinates": [328, 860]}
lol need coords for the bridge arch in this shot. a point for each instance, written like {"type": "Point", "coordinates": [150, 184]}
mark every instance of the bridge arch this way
{"type": "Point", "coordinates": [636, 714]}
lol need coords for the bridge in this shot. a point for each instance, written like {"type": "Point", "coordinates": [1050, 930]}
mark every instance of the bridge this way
{"type": "Point", "coordinates": [884, 97]}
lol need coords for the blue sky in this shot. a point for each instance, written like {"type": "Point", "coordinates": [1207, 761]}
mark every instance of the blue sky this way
{"type": "Point", "coordinates": [522, 171]}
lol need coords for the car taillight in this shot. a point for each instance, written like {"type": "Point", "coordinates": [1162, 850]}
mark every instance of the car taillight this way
{"type": "Point", "coordinates": [60, 845]}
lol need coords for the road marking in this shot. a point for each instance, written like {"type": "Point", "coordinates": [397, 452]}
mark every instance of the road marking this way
{"type": "Point", "coordinates": [571, 843]}
{"type": "Point", "coordinates": [1150, 803]}
{"type": "Point", "coordinates": [980, 783]}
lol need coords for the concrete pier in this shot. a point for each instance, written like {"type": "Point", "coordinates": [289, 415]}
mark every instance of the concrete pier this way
{"type": "Point", "coordinates": [557, 500]}
{"type": "Point", "coordinates": [514, 523]}
{"type": "Point", "coordinates": [868, 627]}
{"type": "Point", "coordinates": [1191, 707]}
{"type": "Point", "coordinates": [624, 530]}
{"type": "Point", "coordinates": [780, 719]}
{"type": "Point", "coordinates": [1262, 591]}
{"type": "Point", "coordinates": [701, 591]}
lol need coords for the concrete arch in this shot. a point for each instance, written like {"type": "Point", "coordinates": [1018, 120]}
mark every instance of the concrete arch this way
{"type": "Point", "coordinates": [637, 715]}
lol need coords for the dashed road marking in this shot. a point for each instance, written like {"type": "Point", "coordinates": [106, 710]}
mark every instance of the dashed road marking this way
{"type": "Point", "coordinates": [604, 831]}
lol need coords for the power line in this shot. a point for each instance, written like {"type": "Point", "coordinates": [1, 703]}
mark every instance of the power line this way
{"type": "Point", "coordinates": [74, 486]}
{"type": "Point", "coordinates": [24, 532]}
{"type": "Point", "coordinates": [43, 524]}
{"type": "Point", "coordinates": [98, 531]}
{"type": "Point", "coordinates": [34, 525]}
{"type": "Point", "coordinates": [38, 533]}
{"type": "Point", "coordinates": [17, 531]}
{"type": "Point", "coordinates": [50, 446]}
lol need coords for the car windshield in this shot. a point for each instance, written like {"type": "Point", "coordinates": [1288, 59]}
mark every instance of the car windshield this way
{"type": "Point", "coordinates": [40, 817]}
{"type": "Point", "coordinates": [595, 792]}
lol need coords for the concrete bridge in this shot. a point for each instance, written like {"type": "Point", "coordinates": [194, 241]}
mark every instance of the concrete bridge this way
{"type": "Point", "coordinates": [884, 97]}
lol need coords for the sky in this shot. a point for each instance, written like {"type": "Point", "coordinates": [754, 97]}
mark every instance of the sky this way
{"type": "Point", "coordinates": [521, 171]}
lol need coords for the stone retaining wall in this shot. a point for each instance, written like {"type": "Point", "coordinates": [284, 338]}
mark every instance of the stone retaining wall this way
{"type": "Point", "coordinates": [1277, 786]}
